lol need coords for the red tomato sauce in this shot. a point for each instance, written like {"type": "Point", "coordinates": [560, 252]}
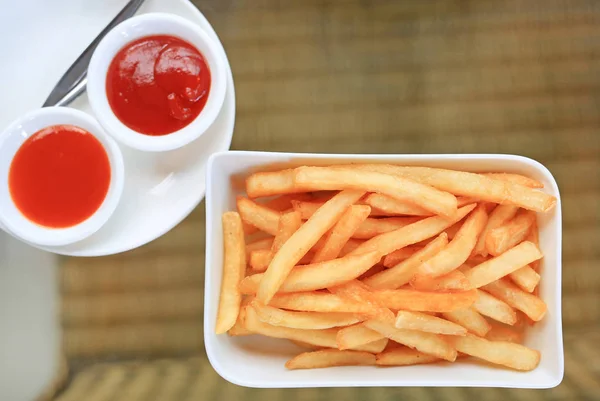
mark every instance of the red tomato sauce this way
{"type": "Point", "coordinates": [59, 176]}
{"type": "Point", "coordinates": [158, 84]}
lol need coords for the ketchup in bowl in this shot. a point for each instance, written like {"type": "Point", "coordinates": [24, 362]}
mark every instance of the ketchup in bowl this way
{"type": "Point", "coordinates": [158, 84]}
{"type": "Point", "coordinates": [59, 176]}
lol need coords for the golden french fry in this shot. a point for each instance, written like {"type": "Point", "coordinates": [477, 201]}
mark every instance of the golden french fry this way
{"type": "Point", "coordinates": [258, 245]}
{"type": "Point", "coordinates": [508, 354]}
{"type": "Point", "coordinates": [259, 259]}
{"type": "Point", "coordinates": [470, 319]}
{"type": "Point", "coordinates": [470, 184]}
{"type": "Point", "coordinates": [374, 346]}
{"type": "Point", "coordinates": [421, 301]}
{"type": "Point", "coordinates": [341, 232]}
{"type": "Point", "coordinates": [502, 238]}
{"type": "Point", "coordinates": [453, 229]}
{"type": "Point", "coordinates": [234, 267]}
{"type": "Point", "coordinates": [501, 332]}
{"type": "Point", "coordinates": [359, 292]}
{"type": "Point", "coordinates": [534, 236]}
{"type": "Point", "coordinates": [289, 223]}
{"type": "Point", "coordinates": [355, 336]}
{"type": "Point", "coordinates": [526, 278]}
{"type": "Point", "coordinates": [453, 281]}
{"type": "Point", "coordinates": [302, 241]}
{"type": "Point", "coordinates": [303, 320]}
{"type": "Point", "coordinates": [516, 179]}
{"type": "Point", "coordinates": [412, 233]}
{"type": "Point", "coordinates": [527, 303]}
{"type": "Point", "coordinates": [393, 207]}
{"type": "Point", "coordinates": [511, 260]}
{"type": "Point", "coordinates": [271, 183]}
{"type": "Point", "coordinates": [373, 227]}
{"type": "Point", "coordinates": [400, 255]}
{"type": "Point", "coordinates": [427, 323]}
{"type": "Point", "coordinates": [259, 216]}
{"type": "Point", "coordinates": [318, 302]}
{"type": "Point", "coordinates": [491, 306]}
{"type": "Point", "coordinates": [331, 178]}
{"type": "Point", "coordinates": [307, 208]}
{"type": "Point", "coordinates": [378, 268]}
{"type": "Point", "coordinates": [318, 275]}
{"type": "Point", "coordinates": [500, 215]}
{"type": "Point", "coordinates": [400, 274]}
{"type": "Point", "coordinates": [328, 358]}
{"type": "Point", "coordinates": [403, 357]}
{"type": "Point", "coordinates": [350, 246]}
{"type": "Point", "coordinates": [458, 250]}
{"type": "Point", "coordinates": [239, 328]}
{"type": "Point", "coordinates": [427, 343]}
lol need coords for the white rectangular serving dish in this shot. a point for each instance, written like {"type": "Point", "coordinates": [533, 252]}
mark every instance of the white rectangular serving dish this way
{"type": "Point", "coordinates": [256, 361]}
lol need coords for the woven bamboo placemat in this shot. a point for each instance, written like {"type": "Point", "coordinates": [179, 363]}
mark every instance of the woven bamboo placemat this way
{"type": "Point", "coordinates": [353, 76]}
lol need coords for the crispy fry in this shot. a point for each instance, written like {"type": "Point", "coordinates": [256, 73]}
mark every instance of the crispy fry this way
{"type": "Point", "coordinates": [502, 238]}
{"type": "Point", "coordinates": [328, 358]}
{"type": "Point", "coordinates": [373, 227]}
{"type": "Point", "coordinates": [302, 320]}
{"type": "Point", "coordinates": [427, 343]}
{"type": "Point", "coordinates": [341, 232]}
{"type": "Point", "coordinates": [470, 319]}
{"type": "Point", "coordinates": [401, 254]}
{"type": "Point", "coordinates": [301, 241]}
{"type": "Point", "coordinates": [259, 245]}
{"type": "Point", "coordinates": [527, 303]}
{"type": "Point", "coordinates": [319, 275]}
{"type": "Point", "coordinates": [500, 215]}
{"type": "Point", "coordinates": [327, 178]}
{"type": "Point", "coordinates": [491, 306]}
{"type": "Point", "coordinates": [355, 336]}
{"type": "Point", "coordinates": [453, 281]}
{"type": "Point", "coordinates": [373, 346]}
{"type": "Point", "coordinates": [512, 355]}
{"type": "Point", "coordinates": [259, 260]}
{"type": "Point", "coordinates": [421, 301]}
{"type": "Point", "coordinates": [271, 183]}
{"type": "Point", "coordinates": [470, 184]}
{"type": "Point", "coordinates": [259, 216]}
{"type": "Point", "coordinates": [318, 302]}
{"type": "Point", "coordinates": [458, 250]}
{"type": "Point", "coordinates": [239, 328]}
{"type": "Point", "coordinates": [511, 260]}
{"type": "Point", "coordinates": [283, 203]}
{"type": "Point", "coordinates": [307, 208]}
{"type": "Point", "coordinates": [350, 246]}
{"type": "Point", "coordinates": [393, 207]}
{"type": "Point", "coordinates": [427, 323]}
{"type": "Point", "coordinates": [288, 224]}
{"type": "Point", "coordinates": [403, 356]}
{"type": "Point", "coordinates": [516, 179]}
{"type": "Point", "coordinates": [234, 267]}
{"type": "Point", "coordinates": [412, 233]}
{"type": "Point", "coordinates": [526, 278]}
{"type": "Point", "coordinates": [359, 292]}
{"type": "Point", "coordinates": [534, 236]}
{"type": "Point", "coordinates": [400, 274]}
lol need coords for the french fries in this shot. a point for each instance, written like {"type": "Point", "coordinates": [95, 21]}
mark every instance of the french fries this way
{"type": "Point", "coordinates": [385, 265]}
{"type": "Point", "coordinates": [317, 276]}
{"type": "Point", "coordinates": [334, 178]}
{"type": "Point", "coordinates": [508, 354]}
{"type": "Point", "coordinates": [498, 267]}
{"type": "Point", "coordinates": [330, 357]}
{"type": "Point", "coordinates": [341, 232]}
{"type": "Point", "coordinates": [302, 240]}
{"type": "Point", "coordinates": [234, 266]}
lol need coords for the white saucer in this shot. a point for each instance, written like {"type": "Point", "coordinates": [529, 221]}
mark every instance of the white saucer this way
{"type": "Point", "coordinates": [161, 189]}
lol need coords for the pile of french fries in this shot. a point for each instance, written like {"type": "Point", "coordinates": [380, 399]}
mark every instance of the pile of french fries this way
{"type": "Point", "coordinates": [372, 264]}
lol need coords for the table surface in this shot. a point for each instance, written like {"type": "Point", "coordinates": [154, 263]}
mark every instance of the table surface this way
{"type": "Point", "coordinates": [354, 76]}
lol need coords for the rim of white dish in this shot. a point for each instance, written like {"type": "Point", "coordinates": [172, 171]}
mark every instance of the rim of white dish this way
{"type": "Point", "coordinates": [13, 137]}
{"type": "Point", "coordinates": [139, 27]}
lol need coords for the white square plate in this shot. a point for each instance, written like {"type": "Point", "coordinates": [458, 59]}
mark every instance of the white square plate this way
{"type": "Point", "coordinates": [255, 361]}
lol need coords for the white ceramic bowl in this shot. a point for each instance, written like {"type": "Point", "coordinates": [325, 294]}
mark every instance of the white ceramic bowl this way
{"type": "Point", "coordinates": [139, 27]}
{"type": "Point", "coordinates": [256, 361]}
{"type": "Point", "coordinates": [11, 140]}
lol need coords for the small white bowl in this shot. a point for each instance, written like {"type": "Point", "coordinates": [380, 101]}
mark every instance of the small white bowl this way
{"type": "Point", "coordinates": [11, 140]}
{"type": "Point", "coordinates": [148, 25]}
{"type": "Point", "coordinates": [231, 356]}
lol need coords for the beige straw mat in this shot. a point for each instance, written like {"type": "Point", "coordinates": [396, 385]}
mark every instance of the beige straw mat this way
{"type": "Point", "coordinates": [356, 76]}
